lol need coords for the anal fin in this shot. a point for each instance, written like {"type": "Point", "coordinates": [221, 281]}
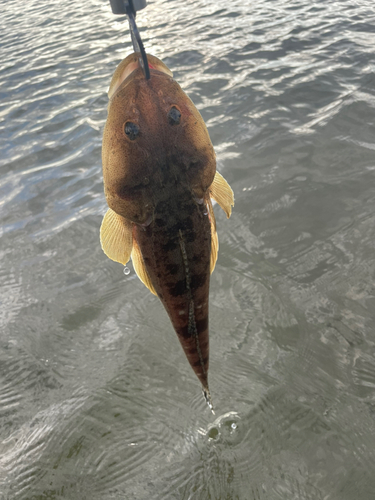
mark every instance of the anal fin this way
{"type": "Point", "coordinates": [116, 237]}
{"type": "Point", "coordinates": [222, 193]}
{"type": "Point", "coordinates": [214, 238]}
{"type": "Point", "coordinates": [140, 268]}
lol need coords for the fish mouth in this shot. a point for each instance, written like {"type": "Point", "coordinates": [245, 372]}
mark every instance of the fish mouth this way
{"type": "Point", "coordinates": [130, 65]}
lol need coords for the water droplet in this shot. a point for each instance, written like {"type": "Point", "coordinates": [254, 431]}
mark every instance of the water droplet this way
{"type": "Point", "coordinates": [126, 271]}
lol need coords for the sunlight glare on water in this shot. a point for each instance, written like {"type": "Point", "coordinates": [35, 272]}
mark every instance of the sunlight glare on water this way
{"type": "Point", "coordinates": [97, 400]}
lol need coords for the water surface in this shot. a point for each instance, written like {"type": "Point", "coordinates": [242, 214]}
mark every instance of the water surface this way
{"type": "Point", "coordinates": [97, 400]}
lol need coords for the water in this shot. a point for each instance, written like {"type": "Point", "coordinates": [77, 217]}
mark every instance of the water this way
{"type": "Point", "coordinates": [97, 400]}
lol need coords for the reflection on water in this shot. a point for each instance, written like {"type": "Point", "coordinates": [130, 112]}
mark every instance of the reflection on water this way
{"type": "Point", "coordinates": [96, 398]}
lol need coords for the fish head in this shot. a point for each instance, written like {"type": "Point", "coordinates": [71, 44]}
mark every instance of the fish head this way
{"type": "Point", "coordinates": [154, 136]}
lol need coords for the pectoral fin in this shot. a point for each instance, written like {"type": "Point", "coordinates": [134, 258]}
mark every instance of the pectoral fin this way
{"type": "Point", "coordinates": [140, 268]}
{"type": "Point", "coordinates": [116, 237]}
{"type": "Point", "coordinates": [222, 193]}
{"type": "Point", "coordinates": [214, 238]}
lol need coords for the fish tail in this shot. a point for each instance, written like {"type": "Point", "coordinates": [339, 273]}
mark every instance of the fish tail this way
{"type": "Point", "coordinates": [204, 375]}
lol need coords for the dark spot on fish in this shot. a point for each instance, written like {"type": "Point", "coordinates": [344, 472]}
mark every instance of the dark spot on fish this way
{"type": "Point", "coordinates": [202, 325]}
{"type": "Point", "coordinates": [131, 130]}
{"type": "Point", "coordinates": [188, 332]}
{"type": "Point", "coordinates": [173, 268]}
{"type": "Point", "coordinates": [170, 245]}
{"type": "Point", "coordinates": [174, 116]}
{"type": "Point", "coordinates": [178, 288]}
{"type": "Point", "coordinates": [188, 224]}
{"type": "Point", "coordinates": [198, 280]}
{"type": "Point", "coordinates": [130, 193]}
{"type": "Point", "coordinates": [190, 237]}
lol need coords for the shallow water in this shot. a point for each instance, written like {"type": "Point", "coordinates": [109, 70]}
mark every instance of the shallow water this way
{"type": "Point", "coordinates": [97, 400]}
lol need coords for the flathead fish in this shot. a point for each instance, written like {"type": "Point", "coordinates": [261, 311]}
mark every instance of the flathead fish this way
{"type": "Point", "coordinates": [159, 173]}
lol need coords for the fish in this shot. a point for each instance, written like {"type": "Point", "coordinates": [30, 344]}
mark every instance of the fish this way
{"type": "Point", "coordinates": [160, 177]}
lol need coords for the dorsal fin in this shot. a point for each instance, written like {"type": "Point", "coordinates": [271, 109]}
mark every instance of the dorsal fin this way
{"type": "Point", "coordinates": [222, 193]}
{"type": "Point", "coordinates": [116, 237]}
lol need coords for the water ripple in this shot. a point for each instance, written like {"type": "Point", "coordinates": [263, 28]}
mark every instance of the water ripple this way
{"type": "Point", "coordinates": [96, 398]}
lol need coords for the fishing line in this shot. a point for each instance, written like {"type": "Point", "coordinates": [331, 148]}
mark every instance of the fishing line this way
{"type": "Point", "coordinates": [129, 7]}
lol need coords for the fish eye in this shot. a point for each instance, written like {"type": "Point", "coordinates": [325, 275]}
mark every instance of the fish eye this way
{"type": "Point", "coordinates": [174, 116]}
{"type": "Point", "coordinates": [131, 130]}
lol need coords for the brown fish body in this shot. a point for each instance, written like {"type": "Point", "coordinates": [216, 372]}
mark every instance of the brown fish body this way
{"type": "Point", "coordinates": [159, 174]}
{"type": "Point", "coordinates": [133, 169]}
{"type": "Point", "coordinates": [176, 249]}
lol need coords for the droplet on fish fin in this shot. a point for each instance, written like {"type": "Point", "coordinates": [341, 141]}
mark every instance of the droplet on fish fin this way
{"type": "Point", "coordinates": [222, 193]}
{"type": "Point", "coordinates": [140, 268]}
{"type": "Point", "coordinates": [116, 237]}
{"type": "Point", "coordinates": [207, 397]}
{"type": "Point", "coordinates": [126, 271]}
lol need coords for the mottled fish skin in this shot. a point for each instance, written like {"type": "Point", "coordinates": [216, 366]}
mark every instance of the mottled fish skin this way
{"type": "Point", "coordinates": [176, 249]}
{"type": "Point", "coordinates": [157, 180]}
